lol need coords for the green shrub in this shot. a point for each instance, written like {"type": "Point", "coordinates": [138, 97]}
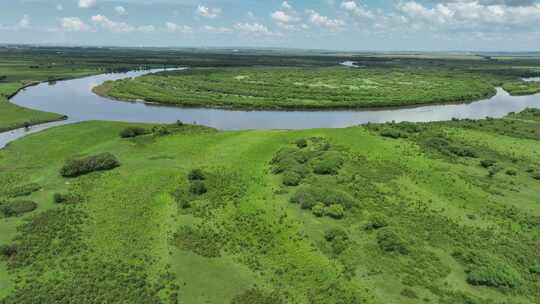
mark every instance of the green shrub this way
{"type": "Point", "coordinates": [161, 130]}
{"type": "Point", "coordinates": [198, 188]}
{"type": "Point", "coordinates": [376, 221]}
{"type": "Point", "coordinates": [511, 172]}
{"type": "Point", "coordinates": [196, 174]}
{"type": "Point", "coordinates": [179, 123]}
{"type": "Point", "coordinates": [487, 270]}
{"type": "Point", "coordinates": [301, 143]}
{"type": "Point", "coordinates": [535, 269]}
{"type": "Point", "coordinates": [319, 210]}
{"type": "Point", "coordinates": [131, 132]}
{"type": "Point", "coordinates": [68, 198]}
{"type": "Point", "coordinates": [409, 293]}
{"type": "Point", "coordinates": [335, 233]}
{"type": "Point", "coordinates": [389, 241]}
{"type": "Point", "coordinates": [335, 211]}
{"type": "Point", "coordinates": [393, 133]}
{"type": "Point", "coordinates": [463, 151]}
{"type": "Point", "coordinates": [21, 190]}
{"type": "Point", "coordinates": [329, 163]}
{"type": "Point", "coordinates": [18, 208]}
{"type": "Point", "coordinates": [535, 175]}
{"type": "Point", "coordinates": [309, 196]}
{"type": "Point", "coordinates": [291, 179]}
{"type": "Point", "coordinates": [257, 296]}
{"type": "Point", "coordinates": [8, 251]}
{"type": "Point", "coordinates": [99, 162]}
{"type": "Point", "coordinates": [486, 163]}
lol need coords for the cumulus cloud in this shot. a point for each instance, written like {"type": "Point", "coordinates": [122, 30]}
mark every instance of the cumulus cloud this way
{"type": "Point", "coordinates": [73, 24]}
{"type": "Point", "coordinates": [325, 22]}
{"type": "Point", "coordinates": [175, 28]}
{"type": "Point", "coordinates": [87, 3]}
{"type": "Point", "coordinates": [24, 23]}
{"type": "Point", "coordinates": [286, 5]}
{"type": "Point", "coordinates": [207, 12]}
{"type": "Point", "coordinates": [216, 30]}
{"type": "Point", "coordinates": [356, 10]}
{"type": "Point", "coordinates": [282, 17]}
{"type": "Point", "coordinates": [255, 29]}
{"type": "Point", "coordinates": [120, 11]}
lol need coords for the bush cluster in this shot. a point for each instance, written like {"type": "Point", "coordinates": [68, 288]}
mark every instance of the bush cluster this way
{"type": "Point", "coordinates": [66, 198]}
{"type": "Point", "coordinates": [257, 296]}
{"type": "Point", "coordinates": [446, 147]}
{"type": "Point", "coordinates": [196, 179]}
{"type": "Point", "coordinates": [323, 201]}
{"type": "Point", "coordinates": [18, 207]}
{"type": "Point", "coordinates": [487, 270]}
{"type": "Point", "coordinates": [389, 241]}
{"type": "Point", "coordinates": [376, 221]}
{"type": "Point", "coordinates": [99, 162]}
{"type": "Point", "coordinates": [329, 163]}
{"type": "Point", "coordinates": [291, 162]}
{"type": "Point", "coordinates": [131, 132]}
{"type": "Point", "coordinates": [338, 239]}
{"type": "Point", "coordinates": [21, 190]}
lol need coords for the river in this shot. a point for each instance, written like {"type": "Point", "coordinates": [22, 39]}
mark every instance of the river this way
{"type": "Point", "coordinates": [75, 99]}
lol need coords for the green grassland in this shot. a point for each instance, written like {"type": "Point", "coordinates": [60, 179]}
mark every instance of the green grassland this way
{"type": "Point", "coordinates": [313, 88]}
{"type": "Point", "coordinates": [395, 213]}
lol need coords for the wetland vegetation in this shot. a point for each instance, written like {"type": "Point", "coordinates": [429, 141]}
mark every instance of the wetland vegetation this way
{"type": "Point", "coordinates": [441, 212]}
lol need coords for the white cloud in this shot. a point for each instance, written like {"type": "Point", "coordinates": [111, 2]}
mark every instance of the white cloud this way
{"type": "Point", "coordinates": [207, 12]}
{"type": "Point", "coordinates": [87, 3]}
{"type": "Point", "coordinates": [356, 10]}
{"type": "Point", "coordinates": [175, 28]}
{"type": "Point", "coordinates": [255, 29]}
{"type": "Point", "coordinates": [120, 10]}
{"type": "Point", "coordinates": [59, 7]}
{"type": "Point", "coordinates": [73, 24]}
{"type": "Point", "coordinates": [282, 17]}
{"type": "Point", "coordinates": [286, 5]}
{"type": "Point", "coordinates": [24, 23]}
{"type": "Point", "coordinates": [111, 26]}
{"type": "Point", "coordinates": [326, 22]}
{"type": "Point", "coordinates": [216, 30]}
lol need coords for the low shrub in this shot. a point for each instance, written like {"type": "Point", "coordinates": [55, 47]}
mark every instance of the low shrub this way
{"type": "Point", "coordinates": [338, 239]}
{"type": "Point", "coordinates": [8, 251]}
{"type": "Point", "coordinates": [486, 163]}
{"type": "Point", "coordinates": [131, 132]}
{"type": "Point", "coordinates": [196, 174]}
{"type": "Point", "coordinates": [18, 208]}
{"type": "Point", "coordinates": [318, 210]}
{"type": "Point", "coordinates": [535, 269]}
{"type": "Point", "coordinates": [21, 190]}
{"type": "Point", "coordinates": [393, 133]}
{"type": "Point", "coordinates": [309, 196]}
{"type": "Point", "coordinates": [376, 221]}
{"type": "Point", "coordinates": [179, 123]}
{"type": "Point", "coordinates": [389, 241]}
{"type": "Point", "coordinates": [409, 293]}
{"type": "Point", "coordinates": [335, 211]}
{"type": "Point", "coordinates": [161, 130]}
{"type": "Point", "coordinates": [291, 179]}
{"type": "Point", "coordinates": [329, 163]}
{"type": "Point", "coordinates": [99, 162]}
{"type": "Point", "coordinates": [535, 175]}
{"type": "Point", "coordinates": [463, 151]}
{"type": "Point", "coordinates": [301, 143]}
{"type": "Point", "coordinates": [68, 198]}
{"type": "Point", "coordinates": [257, 296]}
{"type": "Point", "coordinates": [487, 270]}
{"type": "Point", "coordinates": [511, 172]}
{"type": "Point", "coordinates": [198, 188]}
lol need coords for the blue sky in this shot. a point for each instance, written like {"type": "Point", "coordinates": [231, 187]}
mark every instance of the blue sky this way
{"type": "Point", "coordinates": [394, 25]}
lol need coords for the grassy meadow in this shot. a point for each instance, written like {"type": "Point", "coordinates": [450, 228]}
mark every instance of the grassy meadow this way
{"type": "Point", "coordinates": [393, 213]}
{"type": "Point", "coordinates": [376, 85]}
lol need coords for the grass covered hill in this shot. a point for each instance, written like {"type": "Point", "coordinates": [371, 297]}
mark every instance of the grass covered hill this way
{"type": "Point", "coordinates": [395, 213]}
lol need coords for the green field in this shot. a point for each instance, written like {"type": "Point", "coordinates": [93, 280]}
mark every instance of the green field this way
{"type": "Point", "coordinates": [314, 88]}
{"type": "Point", "coordinates": [394, 213]}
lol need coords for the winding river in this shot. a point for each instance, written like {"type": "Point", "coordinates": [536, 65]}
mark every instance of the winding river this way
{"type": "Point", "coordinates": [75, 99]}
